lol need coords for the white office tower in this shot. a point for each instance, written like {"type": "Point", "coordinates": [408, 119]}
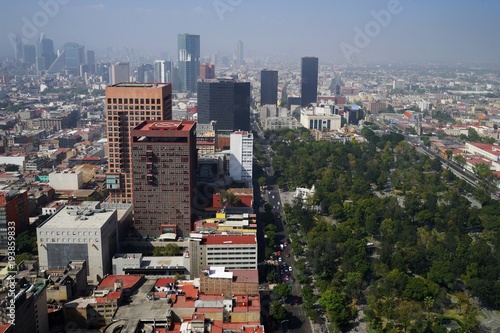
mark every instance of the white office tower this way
{"type": "Point", "coordinates": [240, 162]}
{"type": "Point", "coordinates": [163, 71]}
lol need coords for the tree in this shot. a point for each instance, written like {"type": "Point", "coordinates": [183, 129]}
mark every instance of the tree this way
{"type": "Point", "coordinates": [335, 307]}
{"type": "Point", "coordinates": [482, 170]}
{"type": "Point", "coordinates": [281, 290]}
{"type": "Point", "coordinates": [460, 160]}
{"type": "Point", "coordinates": [228, 198]}
{"type": "Point", "coordinates": [11, 168]}
{"type": "Point", "coordinates": [169, 250]}
{"type": "Point", "coordinates": [278, 311]}
{"type": "Point", "coordinates": [262, 181]}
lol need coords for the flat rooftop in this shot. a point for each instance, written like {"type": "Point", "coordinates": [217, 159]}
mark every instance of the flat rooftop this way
{"type": "Point", "coordinates": [139, 85]}
{"type": "Point", "coordinates": [166, 125]}
{"type": "Point", "coordinates": [75, 217]}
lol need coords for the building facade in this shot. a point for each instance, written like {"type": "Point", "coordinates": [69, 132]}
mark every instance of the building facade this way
{"type": "Point", "coordinates": [120, 72]}
{"type": "Point", "coordinates": [189, 61]}
{"type": "Point", "coordinates": [79, 233]}
{"type": "Point", "coordinates": [309, 81]}
{"type": "Point", "coordinates": [207, 71]}
{"type": "Point", "coordinates": [230, 251]}
{"type": "Point", "coordinates": [268, 87]}
{"type": "Point", "coordinates": [241, 158]}
{"type": "Point", "coordinates": [225, 101]}
{"type": "Point", "coordinates": [128, 105]}
{"type": "Point", "coordinates": [13, 212]}
{"type": "Point", "coordinates": [164, 178]}
{"type": "Point", "coordinates": [322, 122]}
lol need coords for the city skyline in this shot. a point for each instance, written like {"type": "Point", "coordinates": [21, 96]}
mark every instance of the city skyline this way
{"type": "Point", "coordinates": [390, 30]}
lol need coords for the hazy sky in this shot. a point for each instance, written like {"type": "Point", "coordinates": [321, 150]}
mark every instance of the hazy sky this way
{"type": "Point", "coordinates": [417, 30]}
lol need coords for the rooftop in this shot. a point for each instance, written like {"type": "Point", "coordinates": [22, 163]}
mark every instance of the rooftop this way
{"type": "Point", "coordinates": [78, 217]}
{"type": "Point", "coordinates": [166, 125]}
{"type": "Point", "coordinates": [139, 85]}
{"type": "Point", "coordinates": [128, 281]}
{"type": "Point", "coordinates": [230, 239]}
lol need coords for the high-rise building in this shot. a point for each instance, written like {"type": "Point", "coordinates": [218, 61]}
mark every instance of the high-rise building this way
{"type": "Point", "coordinates": [241, 158]}
{"type": "Point", "coordinates": [90, 60]}
{"type": "Point", "coordinates": [239, 60]}
{"type": "Point", "coordinates": [29, 54]}
{"type": "Point", "coordinates": [120, 72]}
{"type": "Point", "coordinates": [128, 105]}
{"type": "Point", "coordinates": [74, 55]}
{"type": "Point", "coordinates": [189, 61]}
{"type": "Point", "coordinates": [164, 178]}
{"type": "Point", "coordinates": [145, 73]}
{"type": "Point", "coordinates": [225, 101]}
{"type": "Point", "coordinates": [163, 71]}
{"type": "Point", "coordinates": [45, 52]}
{"type": "Point", "coordinates": [13, 213]}
{"type": "Point", "coordinates": [207, 71]}
{"type": "Point", "coordinates": [268, 87]}
{"type": "Point", "coordinates": [309, 82]}
{"type": "Point", "coordinates": [18, 50]}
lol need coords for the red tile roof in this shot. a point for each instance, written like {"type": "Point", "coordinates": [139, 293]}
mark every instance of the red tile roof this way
{"type": "Point", "coordinates": [230, 239]}
{"type": "Point", "coordinates": [128, 281]}
{"type": "Point", "coordinates": [163, 282]}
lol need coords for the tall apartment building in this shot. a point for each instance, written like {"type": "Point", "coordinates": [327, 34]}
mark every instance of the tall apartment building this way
{"type": "Point", "coordinates": [240, 54]}
{"type": "Point", "coordinates": [230, 251]}
{"type": "Point", "coordinates": [268, 87]}
{"type": "Point", "coordinates": [207, 71]}
{"type": "Point", "coordinates": [120, 72]}
{"type": "Point", "coordinates": [163, 71]}
{"type": "Point", "coordinates": [309, 81]}
{"type": "Point", "coordinates": [145, 73]}
{"type": "Point", "coordinates": [164, 178]}
{"type": "Point", "coordinates": [189, 61]}
{"type": "Point", "coordinates": [13, 208]}
{"type": "Point", "coordinates": [241, 158]}
{"type": "Point", "coordinates": [225, 101]}
{"type": "Point", "coordinates": [128, 105]}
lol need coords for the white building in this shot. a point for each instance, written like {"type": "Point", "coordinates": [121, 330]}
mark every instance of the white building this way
{"type": "Point", "coordinates": [241, 156]}
{"type": "Point", "coordinates": [66, 180]}
{"type": "Point", "coordinates": [268, 110]}
{"type": "Point", "coordinates": [320, 118]}
{"type": "Point", "coordinates": [83, 232]}
{"type": "Point", "coordinates": [120, 72]}
{"type": "Point", "coordinates": [231, 251]}
{"type": "Point", "coordinates": [275, 123]}
{"type": "Point", "coordinates": [489, 151]}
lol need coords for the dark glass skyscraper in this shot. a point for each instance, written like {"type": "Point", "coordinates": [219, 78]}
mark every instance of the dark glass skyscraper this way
{"type": "Point", "coordinates": [74, 55]}
{"type": "Point", "coordinates": [29, 54]}
{"type": "Point", "coordinates": [309, 83]}
{"type": "Point", "coordinates": [189, 61]}
{"type": "Point", "coordinates": [46, 53]}
{"type": "Point", "coordinates": [225, 101]}
{"type": "Point", "coordinates": [268, 87]}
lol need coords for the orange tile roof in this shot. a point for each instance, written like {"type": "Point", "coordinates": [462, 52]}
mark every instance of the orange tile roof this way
{"type": "Point", "coordinates": [128, 281]}
{"type": "Point", "coordinates": [163, 282]}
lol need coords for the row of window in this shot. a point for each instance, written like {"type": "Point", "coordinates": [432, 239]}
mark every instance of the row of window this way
{"type": "Point", "coordinates": [69, 233]}
{"type": "Point", "coordinates": [134, 101]}
{"type": "Point", "coordinates": [137, 107]}
{"type": "Point", "coordinates": [70, 240]}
